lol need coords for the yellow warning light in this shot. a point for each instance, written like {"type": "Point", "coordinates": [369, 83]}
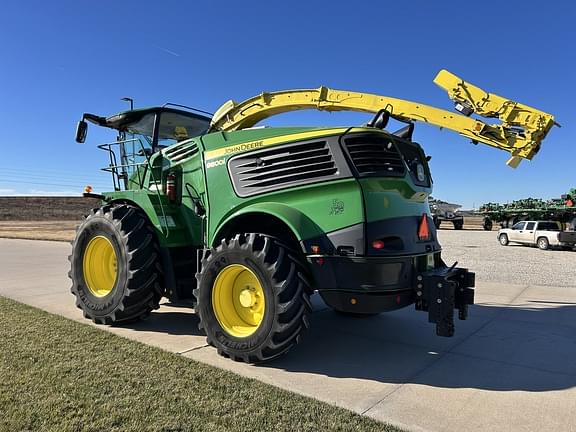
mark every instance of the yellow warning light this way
{"type": "Point", "coordinates": [88, 189]}
{"type": "Point", "coordinates": [353, 301]}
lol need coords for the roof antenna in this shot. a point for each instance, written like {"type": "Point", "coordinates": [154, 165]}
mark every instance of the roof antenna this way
{"type": "Point", "coordinates": [127, 99]}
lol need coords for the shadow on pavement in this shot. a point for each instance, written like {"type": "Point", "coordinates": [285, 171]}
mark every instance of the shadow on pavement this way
{"type": "Point", "coordinates": [183, 323]}
{"type": "Point", "coordinates": [530, 347]}
{"type": "Point", "coordinates": [500, 348]}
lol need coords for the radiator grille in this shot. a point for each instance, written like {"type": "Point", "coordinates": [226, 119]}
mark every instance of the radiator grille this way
{"type": "Point", "coordinates": [281, 167]}
{"type": "Point", "coordinates": [374, 155]}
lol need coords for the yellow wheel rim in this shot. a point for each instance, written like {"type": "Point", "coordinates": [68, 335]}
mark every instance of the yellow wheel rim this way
{"type": "Point", "coordinates": [100, 266]}
{"type": "Point", "coordinates": [238, 300]}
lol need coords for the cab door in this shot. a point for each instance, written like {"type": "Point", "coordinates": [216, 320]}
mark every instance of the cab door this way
{"type": "Point", "coordinates": [526, 235]}
{"type": "Point", "coordinates": [516, 232]}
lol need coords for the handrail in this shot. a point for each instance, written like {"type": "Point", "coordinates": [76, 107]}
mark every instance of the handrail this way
{"type": "Point", "coordinates": [113, 168]}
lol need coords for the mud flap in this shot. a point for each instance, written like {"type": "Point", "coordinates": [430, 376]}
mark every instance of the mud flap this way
{"type": "Point", "coordinates": [440, 291]}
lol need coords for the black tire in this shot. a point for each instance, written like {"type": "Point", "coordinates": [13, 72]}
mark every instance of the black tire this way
{"type": "Point", "coordinates": [281, 274]}
{"type": "Point", "coordinates": [437, 222]}
{"type": "Point", "coordinates": [503, 239]}
{"type": "Point", "coordinates": [487, 225]}
{"type": "Point", "coordinates": [137, 288]}
{"type": "Point", "coordinates": [458, 225]}
{"type": "Point", "coordinates": [543, 243]}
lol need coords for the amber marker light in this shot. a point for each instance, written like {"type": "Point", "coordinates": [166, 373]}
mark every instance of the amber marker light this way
{"type": "Point", "coordinates": [88, 189]}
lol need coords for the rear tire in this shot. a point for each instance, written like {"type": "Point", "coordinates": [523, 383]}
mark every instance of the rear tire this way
{"type": "Point", "coordinates": [503, 239]}
{"type": "Point", "coordinates": [253, 298]}
{"type": "Point", "coordinates": [458, 225]}
{"type": "Point", "coordinates": [115, 266]}
{"type": "Point", "coordinates": [543, 243]}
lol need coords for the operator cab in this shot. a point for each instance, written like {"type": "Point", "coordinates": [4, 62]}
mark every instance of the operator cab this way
{"type": "Point", "coordinates": [141, 133]}
{"type": "Point", "coordinates": [156, 127]}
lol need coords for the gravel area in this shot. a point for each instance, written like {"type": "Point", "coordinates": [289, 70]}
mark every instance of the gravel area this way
{"type": "Point", "coordinates": [480, 252]}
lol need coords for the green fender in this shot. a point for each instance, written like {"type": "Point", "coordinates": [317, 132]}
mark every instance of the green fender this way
{"type": "Point", "coordinates": [301, 225]}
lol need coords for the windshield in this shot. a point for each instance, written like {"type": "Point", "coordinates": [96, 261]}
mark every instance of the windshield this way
{"type": "Point", "coordinates": [175, 127]}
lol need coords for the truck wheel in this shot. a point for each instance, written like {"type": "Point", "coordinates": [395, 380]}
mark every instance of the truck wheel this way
{"type": "Point", "coordinates": [458, 225]}
{"type": "Point", "coordinates": [543, 243]}
{"type": "Point", "coordinates": [253, 298]}
{"type": "Point", "coordinates": [503, 239]}
{"type": "Point", "coordinates": [437, 222]}
{"type": "Point", "coordinates": [115, 266]}
{"type": "Point", "coordinates": [487, 224]}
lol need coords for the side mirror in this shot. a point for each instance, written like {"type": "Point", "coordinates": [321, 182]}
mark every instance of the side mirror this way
{"type": "Point", "coordinates": [81, 131]}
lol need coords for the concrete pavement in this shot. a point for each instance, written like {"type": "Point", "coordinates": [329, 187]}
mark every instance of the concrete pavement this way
{"type": "Point", "coordinates": [511, 366]}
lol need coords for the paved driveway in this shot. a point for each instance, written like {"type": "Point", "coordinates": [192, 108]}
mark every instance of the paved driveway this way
{"type": "Point", "coordinates": [511, 366]}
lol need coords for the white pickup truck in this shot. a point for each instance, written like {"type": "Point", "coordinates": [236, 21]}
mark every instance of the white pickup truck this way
{"type": "Point", "coordinates": [544, 234]}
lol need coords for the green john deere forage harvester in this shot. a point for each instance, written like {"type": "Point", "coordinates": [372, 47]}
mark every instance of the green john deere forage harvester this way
{"type": "Point", "coordinates": [244, 224]}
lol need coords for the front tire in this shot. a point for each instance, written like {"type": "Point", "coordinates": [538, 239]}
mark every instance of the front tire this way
{"type": "Point", "coordinates": [115, 266]}
{"type": "Point", "coordinates": [503, 239]}
{"type": "Point", "coordinates": [253, 298]}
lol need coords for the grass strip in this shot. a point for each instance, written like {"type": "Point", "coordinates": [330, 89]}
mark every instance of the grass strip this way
{"type": "Point", "coordinates": [59, 375]}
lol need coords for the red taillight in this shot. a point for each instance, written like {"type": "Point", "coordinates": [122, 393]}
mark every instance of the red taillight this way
{"type": "Point", "coordinates": [424, 229]}
{"type": "Point", "coordinates": [171, 187]}
{"type": "Point", "coordinates": [378, 244]}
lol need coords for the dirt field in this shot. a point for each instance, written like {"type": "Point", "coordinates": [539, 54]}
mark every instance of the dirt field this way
{"type": "Point", "coordinates": [45, 208]}
{"type": "Point", "coordinates": [35, 230]}
{"type": "Point", "coordinates": [42, 218]}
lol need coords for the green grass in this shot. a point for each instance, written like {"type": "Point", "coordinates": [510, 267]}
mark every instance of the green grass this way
{"type": "Point", "coordinates": [59, 375]}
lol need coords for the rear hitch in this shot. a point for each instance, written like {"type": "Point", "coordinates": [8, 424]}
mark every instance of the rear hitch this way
{"type": "Point", "coordinates": [440, 291]}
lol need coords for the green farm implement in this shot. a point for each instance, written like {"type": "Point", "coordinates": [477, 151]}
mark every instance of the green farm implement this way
{"type": "Point", "coordinates": [561, 209]}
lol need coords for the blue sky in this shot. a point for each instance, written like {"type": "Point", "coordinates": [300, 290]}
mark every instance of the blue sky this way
{"type": "Point", "coordinates": [59, 59]}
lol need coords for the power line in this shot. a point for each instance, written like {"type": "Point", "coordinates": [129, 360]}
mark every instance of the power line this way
{"type": "Point", "coordinates": [49, 173]}
{"type": "Point", "coordinates": [17, 177]}
{"type": "Point", "coordinates": [56, 184]}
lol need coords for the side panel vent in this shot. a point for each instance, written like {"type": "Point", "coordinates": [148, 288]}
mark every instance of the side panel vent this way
{"type": "Point", "coordinates": [281, 167]}
{"type": "Point", "coordinates": [375, 155]}
{"type": "Point", "coordinates": [181, 153]}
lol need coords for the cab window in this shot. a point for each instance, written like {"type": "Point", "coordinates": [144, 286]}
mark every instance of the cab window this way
{"type": "Point", "coordinates": [530, 225]}
{"type": "Point", "coordinates": [548, 226]}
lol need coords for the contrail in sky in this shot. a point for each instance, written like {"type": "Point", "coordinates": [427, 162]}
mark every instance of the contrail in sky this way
{"type": "Point", "coordinates": [175, 54]}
